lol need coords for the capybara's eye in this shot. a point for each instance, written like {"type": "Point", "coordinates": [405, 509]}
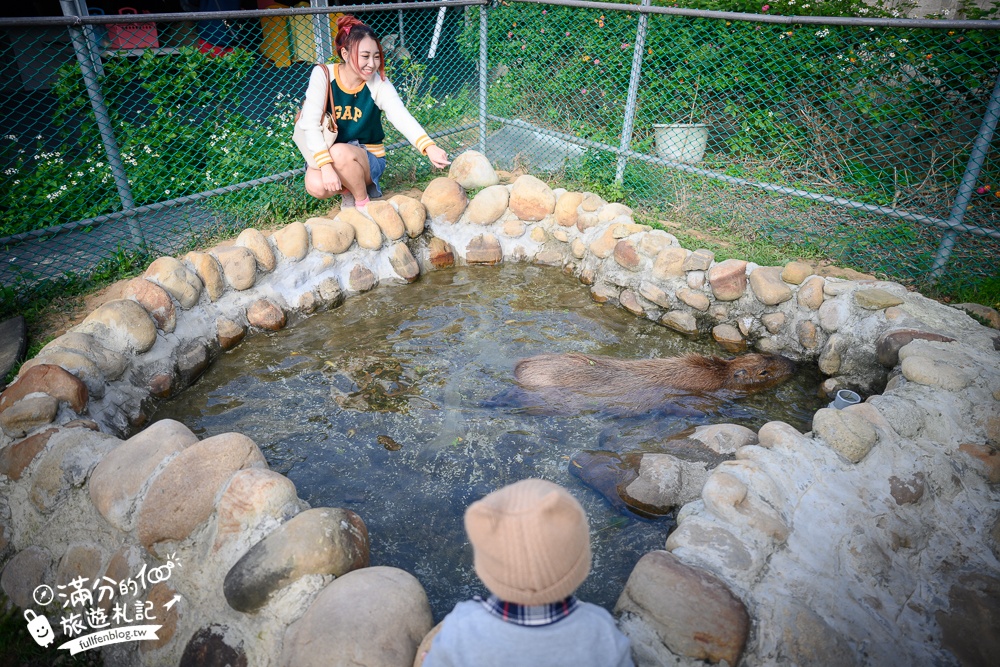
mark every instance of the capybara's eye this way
{"type": "Point", "coordinates": [763, 372]}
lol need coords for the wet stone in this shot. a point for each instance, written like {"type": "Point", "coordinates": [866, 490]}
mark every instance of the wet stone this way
{"type": "Point", "coordinates": [208, 647]}
{"type": "Point", "coordinates": [317, 541]}
{"type": "Point", "coordinates": [602, 293]}
{"type": "Point", "coordinates": [549, 258]}
{"type": "Point", "coordinates": [484, 249]}
{"type": "Point", "coordinates": [193, 359]}
{"type": "Point", "coordinates": [229, 333]}
{"type": "Point", "coordinates": [630, 303]}
{"type": "Point", "coordinates": [729, 338]}
{"type": "Point", "coordinates": [329, 292]}
{"type": "Point", "coordinates": [680, 321]}
{"type": "Point", "coordinates": [265, 314]}
{"type": "Point", "coordinates": [361, 279]}
{"type": "Point", "coordinates": [403, 262]}
{"type": "Point", "coordinates": [47, 379]}
{"type": "Point", "coordinates": [888, 344]}
{"type": "Point", "coordinates": [441, 254]}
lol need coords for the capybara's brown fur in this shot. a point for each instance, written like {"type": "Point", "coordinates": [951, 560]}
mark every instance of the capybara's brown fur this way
{"type": "Point", "coordinates": [643, 383]}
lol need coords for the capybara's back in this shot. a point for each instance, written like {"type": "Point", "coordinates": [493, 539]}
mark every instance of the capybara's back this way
{"type": "Point", "coordinates": [640, 384]}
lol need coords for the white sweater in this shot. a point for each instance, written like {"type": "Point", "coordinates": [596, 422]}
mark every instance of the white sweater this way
{"type": "Point", "coordinates": [386, 99]}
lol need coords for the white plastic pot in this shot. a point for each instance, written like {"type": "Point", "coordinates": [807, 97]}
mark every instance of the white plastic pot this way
{"type": "Point", "coordinates": [681, 142]}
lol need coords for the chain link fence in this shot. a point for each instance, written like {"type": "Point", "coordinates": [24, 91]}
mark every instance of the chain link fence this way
{"type": "Point", "coordinates": [865, 141]}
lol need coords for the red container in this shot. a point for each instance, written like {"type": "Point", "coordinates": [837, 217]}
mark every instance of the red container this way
{"type": "Point", "coordinates": [132, 35]}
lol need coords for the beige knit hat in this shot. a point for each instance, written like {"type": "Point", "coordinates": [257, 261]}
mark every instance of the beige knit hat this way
{"type": "Point", "coordinates": [531, 542]}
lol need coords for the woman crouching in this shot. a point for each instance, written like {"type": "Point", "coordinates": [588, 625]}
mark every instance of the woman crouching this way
{"type": "Point", "coordinates": [361, 93]}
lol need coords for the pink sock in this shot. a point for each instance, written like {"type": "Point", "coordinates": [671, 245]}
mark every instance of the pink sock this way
{"type": "Point", "coordinates": [361, 203]}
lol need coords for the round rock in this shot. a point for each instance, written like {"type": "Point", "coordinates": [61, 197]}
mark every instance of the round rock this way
{"type": "Point", "coordinates": [332, 236]}
{"type": "Point", "coordinates": [472, 170]}
{"type": "Point", "coordinates": [700, 618]}
{"type": "Point", "coordinates": [847, 433]}
{"type": "Point", "coordinates": [768, 287]}
{"type": "Point", "coordinates": [257, 243]}
{"type": "Point", "coordinates": [47, 379]}
{"type": "Point", "coordinates": [445, 200]}
{"type": "Point", "coordinates": [266, 314]}
{"type": "Point", "coordinates": [728, 279]}
{"type": "Point", "coordinates": [122, 326]}
{"type": "Point", "coordinates": [484, 249]}
{"type": "Point", "coordinates": [155, 300]}
{"type": "Point", "coordinates": [385, 216]}
{"type": "Point", "coordinates": [181, 282]}
{"type": "Point", "coordinates": [318, 541]}
{"type": "Point", "coordinates": [209, 271]}
{"type": "Point", "coordinates": [239, 266]}
{"type": "Point", "coordinates": [412, 212]}
{"type": "Point", "coordinates": [531, 199]}
{"type": "Point", "coordinates": [371, 616]}
{"type": "Point", "coordinates": [292, 241]}
{"type": "Point", "coordinates": [28, 414]}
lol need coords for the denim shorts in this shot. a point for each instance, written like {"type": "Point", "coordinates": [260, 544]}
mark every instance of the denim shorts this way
{"type": "Point", "coordinates": [377, 167]}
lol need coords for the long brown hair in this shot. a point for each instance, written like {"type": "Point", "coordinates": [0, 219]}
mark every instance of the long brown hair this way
{"type": "Point", "coordinates": [350, 33]}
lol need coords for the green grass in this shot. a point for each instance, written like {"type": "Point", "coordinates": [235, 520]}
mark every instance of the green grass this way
{"type": "Point", "coordinates": [18, 649]}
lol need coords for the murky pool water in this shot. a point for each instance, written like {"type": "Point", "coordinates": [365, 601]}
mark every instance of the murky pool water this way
{"type": "Point", "coordinates": [377, 406]}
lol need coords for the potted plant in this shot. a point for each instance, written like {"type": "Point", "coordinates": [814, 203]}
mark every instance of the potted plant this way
{"type": "Point", "coordinates": [682, 142]}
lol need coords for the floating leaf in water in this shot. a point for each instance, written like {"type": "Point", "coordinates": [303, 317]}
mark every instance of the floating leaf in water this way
{"type": "Point", "coordinates": [389, 443]}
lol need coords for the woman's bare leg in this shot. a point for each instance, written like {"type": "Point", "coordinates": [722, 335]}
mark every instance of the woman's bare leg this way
{"type": "Point", "coordinates": [314, 184]}
{"type": "Point", "coordinates": [351, 164]}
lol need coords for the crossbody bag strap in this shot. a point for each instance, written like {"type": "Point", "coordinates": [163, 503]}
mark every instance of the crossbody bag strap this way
{"type": "Point", "coordinates": [329, 97]}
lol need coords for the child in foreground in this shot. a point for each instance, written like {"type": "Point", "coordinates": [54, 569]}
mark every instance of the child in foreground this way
{"type": "Point", "coordinates": [531, 547]}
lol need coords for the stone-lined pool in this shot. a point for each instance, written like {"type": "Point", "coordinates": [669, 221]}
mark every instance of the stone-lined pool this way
{"type": "Point", "coordinates": [377, 406]}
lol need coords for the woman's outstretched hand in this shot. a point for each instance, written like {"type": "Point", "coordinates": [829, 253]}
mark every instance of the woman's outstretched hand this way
{"type": "Point", "coordinates": [438, 157]}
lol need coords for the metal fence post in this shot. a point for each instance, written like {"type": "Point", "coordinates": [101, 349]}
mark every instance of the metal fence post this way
{"type": "Point", "coordinates": [321, 32]}
{"type": "Point", "coordinates": [104, 125]}
{"type": "Point", "coordinates": [980, 147]}
{"type": "Point", "coordinates": [92, 46]}
{"type": "Point", "coordinates": [633, 93]}
{"type": "Point", "coordinates": [483, 65]}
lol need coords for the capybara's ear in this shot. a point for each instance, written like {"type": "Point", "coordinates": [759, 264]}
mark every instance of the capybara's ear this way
{"type": "Point", "coordinates": [740, 373]}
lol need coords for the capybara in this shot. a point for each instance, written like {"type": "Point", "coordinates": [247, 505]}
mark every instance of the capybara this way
{"type": "Point", "coordinates": [634, 386]}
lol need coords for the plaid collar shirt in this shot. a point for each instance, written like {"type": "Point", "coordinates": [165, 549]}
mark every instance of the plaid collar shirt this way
{"type": "Point", "coordinates": [544, 614]}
